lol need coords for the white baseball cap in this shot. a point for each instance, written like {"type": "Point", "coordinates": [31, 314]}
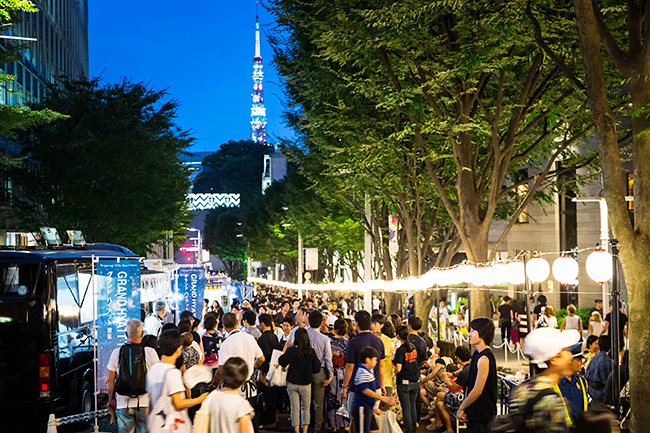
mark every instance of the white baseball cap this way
{"type": "Point", "coordinates": [543, 344]}
{"type": "Point", "coordinates": [331, 320]}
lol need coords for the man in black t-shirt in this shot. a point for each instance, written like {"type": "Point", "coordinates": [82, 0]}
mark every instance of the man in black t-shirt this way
{"type": "Point", "coordinates": [598, 306]}
{"type": "Point", "coordinates": [539, 308]}
{"type": "Point", "coordinates": [479, 406]}
{"type": "Point", "coordinates": [622, 322]}
{"type": "Point", "coordinates": [505, 318]}
{"type": "Point", "coordinates": [414, 325]}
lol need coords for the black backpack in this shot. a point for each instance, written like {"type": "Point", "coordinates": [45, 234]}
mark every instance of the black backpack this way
{"type": "Point", "coordinates": [515, 422]}
{"type": "Point", "coordinates": [132, 371]}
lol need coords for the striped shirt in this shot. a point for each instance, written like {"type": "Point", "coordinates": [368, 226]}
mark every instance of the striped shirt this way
{"type": "Point", "coordinates": [364, 379]}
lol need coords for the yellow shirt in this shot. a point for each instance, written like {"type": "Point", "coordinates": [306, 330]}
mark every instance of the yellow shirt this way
{"type": "Point", "coordinates": [388, 360]}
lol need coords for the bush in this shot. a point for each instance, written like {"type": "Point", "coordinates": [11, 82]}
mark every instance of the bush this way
{"type": "Point", "coordinates": [583, 313]}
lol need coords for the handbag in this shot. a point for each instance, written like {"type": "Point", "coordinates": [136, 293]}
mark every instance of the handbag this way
{"type": "Point", "coordinates": [277, 375]}
{"type": "Point", "coordinates": [388, 422]}
{"type": "Point", "coordinates": [165, 418]}
{"type": "Point", "coordinates": [202, 416]}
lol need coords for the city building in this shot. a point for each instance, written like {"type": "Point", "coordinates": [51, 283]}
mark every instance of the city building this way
{"type": "Point", "coordinates": [60, 28]}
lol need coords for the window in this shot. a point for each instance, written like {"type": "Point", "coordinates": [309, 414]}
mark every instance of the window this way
{"type": "Point", "coordinates": [630, 191]}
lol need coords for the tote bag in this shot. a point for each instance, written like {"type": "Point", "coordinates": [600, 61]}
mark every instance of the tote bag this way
{"type": "Point", "coordinates": [277, 375]}
{"type": "Point", "coordinates": [165, 418]}
{"type": "Point", "coordinates": [202, 416]}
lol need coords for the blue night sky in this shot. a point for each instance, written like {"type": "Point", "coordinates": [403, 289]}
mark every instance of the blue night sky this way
{"type": "Point", "coordinates": [202, 53]}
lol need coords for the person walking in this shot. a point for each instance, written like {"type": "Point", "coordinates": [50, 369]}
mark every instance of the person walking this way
{"type": "Point", "coordinates": [303, 364]}
{"type": "Point", "coordinates": [323, 349]}
{"type": "Point", "coordinates": [268, 342]}
{"type": "Point", "coordinates": [365, 395]}
{"type": "Point", "coordinates": [128, 393]}
{"type": "Point", "coordinates": [595, 324]}
{"type": "Point", "coordinates": [229, 411]}
{"type": "Point", "coordinates": [506, 315]}
{"type": "Point", "coordinates": [155, 320]}
{"type": "Point", "coordinates": [479, 406]}
{"type": "Point", "coordinates": [243, 345]}
{"type": "Point", "coordinates": [571, 321]}
{"type": "Point", "coordinates": [574, 386]}
{"type": "Point", "coordinates": [166, 389]}
{"type": "Point", "coordinates": [408, 379]}
{"type": "Point", "coordinates": [549, 350]}
{"type": "Point", "coordinates": [339, 346]}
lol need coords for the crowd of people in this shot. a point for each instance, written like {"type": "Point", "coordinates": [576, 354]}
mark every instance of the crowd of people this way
{"type": "Point", "coordinates": [344, 367]}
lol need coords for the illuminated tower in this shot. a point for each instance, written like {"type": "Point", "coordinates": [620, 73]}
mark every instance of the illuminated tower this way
{"type": "Point", "coordinates": [258, 112]}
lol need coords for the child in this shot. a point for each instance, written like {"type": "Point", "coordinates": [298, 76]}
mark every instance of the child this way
{"type": "Point", "coordinates": [229, 411]}
{"type": "Point", "coordinates": [365, 395]}
{"type": "Point", "coordinates": [165, 383]}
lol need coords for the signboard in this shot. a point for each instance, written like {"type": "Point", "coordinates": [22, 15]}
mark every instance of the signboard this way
{"type": "Point", "coordinates": [311, 259]}
{"type": "Point", "coordinates": [118, 301]}
{"type": "Point", "coordinates": [191, 287]}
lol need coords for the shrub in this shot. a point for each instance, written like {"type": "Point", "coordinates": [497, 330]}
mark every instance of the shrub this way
{"type": "Point", "coordinates": [583, 313]}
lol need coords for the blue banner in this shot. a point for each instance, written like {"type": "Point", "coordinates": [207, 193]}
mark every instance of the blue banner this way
{"type": "Point", "coordinates": [118, 301]}
{"type": "Point", "coordinates": [191, 288]}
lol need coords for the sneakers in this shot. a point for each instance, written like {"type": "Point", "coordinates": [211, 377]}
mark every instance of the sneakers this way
{"type": "Point", "coordinates": [435, 425]}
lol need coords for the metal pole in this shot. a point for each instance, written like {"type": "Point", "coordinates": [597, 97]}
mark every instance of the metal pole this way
{"type": "Point", "coordinates": [527, 311]}
{"type": "Point", "coordinates": [438, 311]}
{"type": "Point", "coordinates": [367, 261]}
{"type": "Point", "coordinates": [614, 334]}
{"type": "Point", "coordinates": [469, 315]}
{"type": "Point", "coordinates": [95, 297]}
{"type": "Point", "coordinates": [300, 264]}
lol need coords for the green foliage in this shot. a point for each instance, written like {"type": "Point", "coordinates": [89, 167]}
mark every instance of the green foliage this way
{"type": "Point", "coordinates": [110, 168]}
{"type": "Point", "coordinates": [8, 7]}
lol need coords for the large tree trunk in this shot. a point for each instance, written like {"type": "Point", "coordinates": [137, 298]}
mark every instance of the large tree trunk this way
{"type": "Point", "coordinates": [393, 302]}
{"type": "Point", "coordinates": [634, 241]}
{"type": "Point", "coordinates": [423, 304]}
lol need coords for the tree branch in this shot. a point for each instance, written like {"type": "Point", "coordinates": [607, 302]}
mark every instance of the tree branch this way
{"type": "Point", "coordinates": [618, 56]}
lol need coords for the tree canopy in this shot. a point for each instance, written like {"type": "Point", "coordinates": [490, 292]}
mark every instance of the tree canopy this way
{"type": "Point", "coordinates": [111, 168]}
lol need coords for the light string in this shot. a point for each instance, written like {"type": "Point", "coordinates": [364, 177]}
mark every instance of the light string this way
{"type": "Point", "coordinates": [493, 277]}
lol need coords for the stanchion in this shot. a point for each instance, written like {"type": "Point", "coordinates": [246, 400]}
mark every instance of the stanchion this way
{"type": "Point", "coordinates": [518, 356]}
{"type": "Point", "coordinates": [51, 424]}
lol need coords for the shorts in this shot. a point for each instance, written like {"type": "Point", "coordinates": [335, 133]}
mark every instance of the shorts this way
{"type": "Point", "coordinates": [364, 419]}
{"type": "Point", "coordinates": [453, 400]}
{"type": "Point", "coordinates": [432, 388]}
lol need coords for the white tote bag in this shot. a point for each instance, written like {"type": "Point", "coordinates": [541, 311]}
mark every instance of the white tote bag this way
{"type": "Point", "coordinates": [277, 375]}
{"type": "Point", "coordinates": [165, 418]}
{"type": "Point", "coordinates": [388, 422]}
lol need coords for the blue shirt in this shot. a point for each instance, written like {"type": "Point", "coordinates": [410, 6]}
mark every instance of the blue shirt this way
{"type": "Point", "coordinates": [364, 379]}
{"type": "Point", "coordinates": [598, 370]}
{"type": "Point", "coordinates": [355, 345]}
{"type": "Point", "coordinates": [574, 390]}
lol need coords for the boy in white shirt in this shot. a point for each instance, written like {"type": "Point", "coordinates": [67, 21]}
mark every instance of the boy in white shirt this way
{"type": "Point", "coordinates": [229, 411]}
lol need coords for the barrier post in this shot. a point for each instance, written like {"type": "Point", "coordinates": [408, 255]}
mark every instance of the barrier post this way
{"type": "Point", "coordinates": [51, 424]}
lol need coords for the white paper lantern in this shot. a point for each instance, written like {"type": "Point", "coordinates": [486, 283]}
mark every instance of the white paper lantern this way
{"type": "Point", "coordinates": [466, 273]}
{"type": "Point", "coordinates": [599, 266]}
{"type": "Point", "coordinates": [565, 269]}
{"type": "Point", "coordinates": [537, 269]}
{"type": "Point", "coordinates": [516, 272]}
{"type": "Point", "coordinates": [500, 273]}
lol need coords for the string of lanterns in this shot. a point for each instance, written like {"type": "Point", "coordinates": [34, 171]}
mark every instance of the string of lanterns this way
{"type": "Point", "coordinates": [565, 270]}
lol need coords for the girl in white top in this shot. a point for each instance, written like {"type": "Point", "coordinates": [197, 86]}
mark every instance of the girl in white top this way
{"type": "Point", "coordinates": [549, 312]}
{"type": "Point", "coordinates": [572, 321]}
{"type": "Point", "coordinates": [595, 324]}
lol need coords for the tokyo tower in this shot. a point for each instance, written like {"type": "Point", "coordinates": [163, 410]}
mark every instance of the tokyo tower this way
{"type": "Point", "coordinates": [258, 112]}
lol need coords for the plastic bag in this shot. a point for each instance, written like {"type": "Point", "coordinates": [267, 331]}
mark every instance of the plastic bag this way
{"type": "Point", "coordinates": [388, 422]}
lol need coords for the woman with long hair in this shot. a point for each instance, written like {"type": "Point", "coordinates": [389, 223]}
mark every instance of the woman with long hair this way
{"type": "Point", "coordinates": [333, 397]}
{"type": "Point", "coordinates": [408, 378]}
{"type": "Point", "coordinates": [549, 312]}
{"type": "Point", "coordinates": [595, 324]}
{"type": "Point", "coordinates": [303, 363]}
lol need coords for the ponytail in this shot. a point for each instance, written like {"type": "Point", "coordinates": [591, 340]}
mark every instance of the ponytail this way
{"type": "Point", "coordinates": [403, 333]}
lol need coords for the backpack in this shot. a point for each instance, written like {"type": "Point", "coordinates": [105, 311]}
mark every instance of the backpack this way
{"type": "Point", "coordinates": [515, 422]}
{"type": "Point", "coordinates": [132, 371]}
{"type": "Point", "coordinates": [542, 322]}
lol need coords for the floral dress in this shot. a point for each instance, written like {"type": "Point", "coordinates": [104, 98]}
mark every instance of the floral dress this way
{"type": "Point", "coordinates": [333, 400]}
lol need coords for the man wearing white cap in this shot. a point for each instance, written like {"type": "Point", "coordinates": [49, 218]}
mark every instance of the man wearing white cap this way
{"type": "Point", "coordinates": [549, 350]}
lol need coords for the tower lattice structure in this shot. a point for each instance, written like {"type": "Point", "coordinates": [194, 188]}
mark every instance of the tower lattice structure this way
{"type": "Point", "coordinates": [258, 111]}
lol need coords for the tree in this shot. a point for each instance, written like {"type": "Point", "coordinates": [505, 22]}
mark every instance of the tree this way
{"type": "Point", "coordinates": [479, 104]}
{"type": "Point", "coordinates": [16, 118]}
{"type": "Point", "coordinates": [619, 71]}
{"type": "Point", "coordinates": [110, 169]}
{"type": "Point", "coordinates": [235, 168]}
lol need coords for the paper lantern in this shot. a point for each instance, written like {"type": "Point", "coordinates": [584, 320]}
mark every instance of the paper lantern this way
{"type": "Point", "coordinates": [537, 269]}
{"type": "Point", "coordinates": [565, 269]}
{"type": "Point", "coordinates": [500, 273]}
{"type": "Point", "coordinates": [466, 273]}
{"type": "Point", "coordinates": [599, 266]}
{"type": "Point", "coordinates": [516, 272]}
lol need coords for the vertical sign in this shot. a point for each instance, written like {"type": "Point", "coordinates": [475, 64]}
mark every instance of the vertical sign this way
{"type": "Point", "coordinates": [311, 259]}
{"type": "Point", "coordinates": [118, 301]}
{"type": "Point", "coordinates": [191, 287]}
